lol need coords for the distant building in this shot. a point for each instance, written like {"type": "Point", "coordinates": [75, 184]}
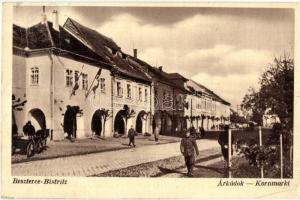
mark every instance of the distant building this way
{"type": "Point", "coordinates": [203, 108]}
{"type": "Point", "coordinates": [270, 120]}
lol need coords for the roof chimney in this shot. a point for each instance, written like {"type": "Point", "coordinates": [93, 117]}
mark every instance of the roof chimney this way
{"type": "Point", "coordinates": [55, 20]}
{"type": "Point", "coordinates": [135, 53]}
{"type": "Point", "coordinates": [160, 68]}
{"type": "Point", "coordinates": [44, 16]}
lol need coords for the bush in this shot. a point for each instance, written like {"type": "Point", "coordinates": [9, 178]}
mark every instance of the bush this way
{"type": "Point", "coordinates": [268, 155]}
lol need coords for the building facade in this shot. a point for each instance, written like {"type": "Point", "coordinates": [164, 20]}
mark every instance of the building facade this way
{"type": "Point", "coordinates": [73, 72]}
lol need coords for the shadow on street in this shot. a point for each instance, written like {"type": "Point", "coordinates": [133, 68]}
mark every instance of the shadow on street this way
{"type": "Point", "coordinates": [169, 171]}
{"type": "Point", "coordinates": [218, 170]}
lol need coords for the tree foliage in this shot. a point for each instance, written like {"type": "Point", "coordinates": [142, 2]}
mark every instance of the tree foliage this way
{"type": "Point", "coordinates": [236, 118]}
{"type": "Point", "coordinates": [275, 96]}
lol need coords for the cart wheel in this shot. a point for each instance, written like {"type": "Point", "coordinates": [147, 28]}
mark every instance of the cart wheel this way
{"type": "Point", "coordinates": [30, 149]}
{"type": "Point", "coordinates": [39, 147]}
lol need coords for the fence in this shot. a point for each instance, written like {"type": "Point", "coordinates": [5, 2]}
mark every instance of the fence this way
{"type": "Point", "coordinates": [260, 144]}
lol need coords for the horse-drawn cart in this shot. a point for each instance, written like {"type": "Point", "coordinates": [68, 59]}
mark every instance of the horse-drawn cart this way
{"type": "Point", "coordinates": [30, 144]}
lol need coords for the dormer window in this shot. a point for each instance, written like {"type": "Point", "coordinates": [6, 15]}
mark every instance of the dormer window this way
{"type": "Point", "coordinates": [124, 56]}
{"type": "Point", "coordinates": [68, 40]}
{"type": "Point", "coordinates": [114, 52]}
{"type": "Point", "coordinates": [34, 76]}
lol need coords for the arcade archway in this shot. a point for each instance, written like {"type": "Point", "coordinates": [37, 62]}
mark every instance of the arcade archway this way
{"type": "Point", "coordinates": [37, 118]}
{"type": "Point", "coordinates": [119, 124]}
{"type": "Point", "coordinates": [139, 126]}
{"type": "Point", "coordinates": [97, 122]}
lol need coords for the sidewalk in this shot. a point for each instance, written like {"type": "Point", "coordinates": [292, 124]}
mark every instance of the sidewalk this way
{"type": "Point", "coordinates": [97, 163]}
{"type": "Point", "coordinates": [66, 148]}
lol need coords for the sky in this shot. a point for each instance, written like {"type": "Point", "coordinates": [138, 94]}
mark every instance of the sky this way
{"type": "Point", "coordinates": [225, 49]}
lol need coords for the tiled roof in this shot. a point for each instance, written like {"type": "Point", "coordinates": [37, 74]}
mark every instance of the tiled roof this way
{"type": "Point", "coordinates": [19, 36]}
{"type": "Point", "coordinates": [43, 36]}
{"type": "Point", "coordinates": [208, 91]}
{"type": "Point", "coordinates": [106, 48]}
{"type": "Point", "coordinates": [82, 42]}
{"type": "Point", "coordinates": [160, 75]}
{"type": "Point", "coordinates": [176, 76]}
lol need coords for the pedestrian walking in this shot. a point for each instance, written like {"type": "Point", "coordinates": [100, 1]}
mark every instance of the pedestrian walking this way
{"type": "Point", "coordinates": [156, 134]}
{"type": "Point", "coordinates": [131, 134]}
{"type": "Point", "coordinates": [202, 131]}
{"type": "Point", "coordinates": [223, 141]}
{"type": "Point", "coordinates": [188, 148]}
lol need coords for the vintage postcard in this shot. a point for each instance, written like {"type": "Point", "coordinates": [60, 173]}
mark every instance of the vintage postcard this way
{"type": "Point", "coordinates": [150, 100]}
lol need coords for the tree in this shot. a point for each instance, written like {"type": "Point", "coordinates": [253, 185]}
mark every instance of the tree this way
{"type": "Point", "coordinates": [254, 104]}
{"type": "Point", "coordinates": [17, 105]}
{"type": "Point", "coordinates": [276, 93]}
{"type": "Point", "coordinates": [236, 118]}
{"type": "Point", "coordinates": [276, 96]}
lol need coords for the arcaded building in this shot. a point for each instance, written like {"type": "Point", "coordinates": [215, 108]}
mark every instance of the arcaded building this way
{"type": "Point", "coordinates": [73, 67]}
{"type": "Point", "coordinates": [56, 68]}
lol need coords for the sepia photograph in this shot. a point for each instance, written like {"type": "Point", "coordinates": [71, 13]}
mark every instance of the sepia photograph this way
{"type": "Point", "coordinates": [121, 91]}
{"type": "Point", "coordinates": [145, 85]}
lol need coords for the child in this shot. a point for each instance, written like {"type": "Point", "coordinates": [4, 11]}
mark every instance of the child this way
{"type": "Point", "coordinates": [131, 134]}
{"type": "Point", "coordinates": [188, 146]}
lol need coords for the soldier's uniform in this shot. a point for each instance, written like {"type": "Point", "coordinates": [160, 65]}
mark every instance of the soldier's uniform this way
{"type": "Point", "coordinates": [188, 148]}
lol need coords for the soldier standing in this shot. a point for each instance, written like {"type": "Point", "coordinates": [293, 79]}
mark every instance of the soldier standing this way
{"type": "Point", "coordinates": [188, 147]}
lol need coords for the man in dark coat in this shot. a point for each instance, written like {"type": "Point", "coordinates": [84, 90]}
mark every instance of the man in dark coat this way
{"type": "Point", "coordinates": [131, 135]}
{"type": "Point", "coordinates": [223, 141]}
{"type": "Point", "coordinates": [188, 148]}
{"type": "Point", "coordinates": [28, 129]}
{"type": "Point", "coordinates": [69, 121]}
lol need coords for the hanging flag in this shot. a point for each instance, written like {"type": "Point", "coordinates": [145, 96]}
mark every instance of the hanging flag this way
{"type": "Point", "coordinates": [96, 78]}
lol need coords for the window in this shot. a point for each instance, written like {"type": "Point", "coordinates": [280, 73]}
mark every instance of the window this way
{"type": "Point", "coordinates": [146, 95]}
{"type": "Point", "coordinates": [140, 94]}
{"type": "Point", "coordinates": [128, 91]}
{"type": "Point", "coordinates": [119, 89]}
{"type": "Point", "coordinates": [76, 77]}
{"type": "Point", "coordinates": [69, 78]}
{"type": "Point", "coordinates": [84, 81]}
{"type": "Point", "coordinates": [102, 85]}
{"type": "Point", "coordinates": [34, 76]}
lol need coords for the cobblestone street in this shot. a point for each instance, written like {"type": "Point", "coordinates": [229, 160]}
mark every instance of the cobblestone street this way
{"type": "Point", "coordinates": [97, 163]}
{"type": "Point", "coordinates": [66, 148]}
